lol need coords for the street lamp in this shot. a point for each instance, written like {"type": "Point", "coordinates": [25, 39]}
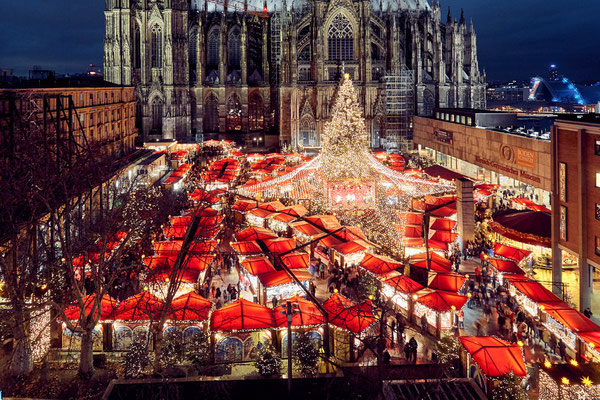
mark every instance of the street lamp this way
{"type": "Point", "coordinates": [289, 311]}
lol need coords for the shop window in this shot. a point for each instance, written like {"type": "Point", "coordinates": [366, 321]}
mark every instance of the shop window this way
{"type": "Point", "coordinates": [597, 246]}
{"type": "Point", "coordinates": [597, 212]}
{"type": "Point", "coordinates": [597, 147]}
{"type": "Point", "coordinates": [598, 179]}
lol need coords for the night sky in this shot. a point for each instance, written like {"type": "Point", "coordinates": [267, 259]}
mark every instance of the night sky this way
{"type": "Point", "coordinates": [516, 39]}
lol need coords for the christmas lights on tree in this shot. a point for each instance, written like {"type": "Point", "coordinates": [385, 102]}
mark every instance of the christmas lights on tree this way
{"type": "Point", "coordinates": [268, 361]}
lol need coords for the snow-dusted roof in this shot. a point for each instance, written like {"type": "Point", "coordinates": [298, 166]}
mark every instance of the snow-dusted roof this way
{"type": "Point", "coordinates": [299, 4]}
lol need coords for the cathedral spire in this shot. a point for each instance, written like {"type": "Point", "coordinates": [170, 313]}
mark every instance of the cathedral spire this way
{"type": "Point", "coordinates": [462, 17]}
{"type": "Point", "coordinates": [449, 18]}
{"type": "Point", "coordinates": [471, 27]}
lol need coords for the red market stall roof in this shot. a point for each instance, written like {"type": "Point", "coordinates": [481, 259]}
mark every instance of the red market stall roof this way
{"type": "Point", "coordinates": [412, 218]}
{"type": "Point", "coordinates": [437, 171]}
{"type": "Point", "coordinates": [260, 212]}
{"type": "Point", "coordinates": [445, 211]}
{"type": "Point", "coordinates": [487, 186]}
{"type": "Point", "coordinates": [437, 244]}
{"type": "Point", "coordinates": [241, 315]}
{"type": "Point", "coordinates": [531, 288]}
{"type": "Point", "coordinates": [413, 242]}
{"type": "Point", "coordinates": [178, 173]}
{"type": "Point", "coordinates": [272, 206]}
{"type": "Point", "coordinates": [437, 263]}
{"type": "Point", "coordinates": [189, 307]}
{"type": "Point", "coordinates": [410, 231]}
{"type": "Point", "coordinates": [194, 262]}
{"type": "Point", "coordinates": [171, 248]}
{"type": "Point", "coordinates": [307, 229]}
{"type": "Point", "coordinates": [345, 314]}
{"type": "Point", "coordinates": [255, 233]}
{"type": "Point", "coordinates": [591, 338]}
{"type": "Point", "coordinates": [141, 307]}
{"type": "Point", "coordinates": [506, 267]}
{"type": "Point", "coordinates": [308, 315]}
{"type": "Point", "coordinates": [512, 253]}
{"type": "Point", "coordinates": [286, 218]}
{"type": "Point", "coordinates": [404, 284]}
{"type": "Point", "coordinates": [297, 210]}
{"type": "Point", "coordinates": [379, 264]}
{"type": "Point", "coordinates": [276, 278]}
{"type": "Point", "coordinates": [244, 205]}
{"type": "Point", "coordinates": [444, 236]}
{"type": "Point", "coordinates": [257, 265]}
{"type": "Point", "coordinates": [354, 246]}
{"type": "Point", "coordinates": [573, 320]}
{"type": "Point", "coordinates": [247, 248]}
{"type": "Point", "coordinates": [326, 222]}
{"type": "Point", "coordinates": [280, 245]}
{"type": "Point", "coordinates": [106, 307]}
{"type": "Point", "coordinates": [441, 301]}
{"type": "Point", "coordinates": [531, 227]}
{"type": "Point", "coordinates": [449, 282]}
{"type": "Point", "coordinates": [443, 224]}
{"type": "Point", "coordinates": [204, 196]}
{"type": "Point", "coordinates": [495, 357]}
{"type": "Point", "coordinates": [296, 260]}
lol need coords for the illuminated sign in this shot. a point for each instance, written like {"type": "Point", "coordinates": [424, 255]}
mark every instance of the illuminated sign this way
{"type": "Point", "coordinates": [525, 158]}
{"type": "Point", "coordinates": [443, 136]}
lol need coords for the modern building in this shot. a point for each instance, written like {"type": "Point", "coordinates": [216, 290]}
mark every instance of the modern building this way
{"type": "Point", "coordinates": [576, 200]}
{"type": "Point", "coordinates": [492, 146]}
{"type": "Point", "coordinates": [103, 117]}
{"type": "Point", "coordinates": [267, 73]}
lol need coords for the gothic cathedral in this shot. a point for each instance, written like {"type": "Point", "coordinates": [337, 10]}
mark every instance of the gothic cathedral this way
{"type": "Point", "coordinates": [265, 75]}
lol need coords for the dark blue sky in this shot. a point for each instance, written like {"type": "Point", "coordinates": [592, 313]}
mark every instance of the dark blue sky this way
{"type": "Point", "coordinates": [516, 38]}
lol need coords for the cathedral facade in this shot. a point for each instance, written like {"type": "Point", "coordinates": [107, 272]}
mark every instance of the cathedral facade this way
{"type": "Point", "coordinates": [265, 75]}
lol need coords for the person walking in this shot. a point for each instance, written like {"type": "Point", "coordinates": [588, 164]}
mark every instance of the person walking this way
{"type": "Point", "coordinates": [274, 301]}
{"type": "Point", "coordinates": [413, 349]}
{"type": "Point", "coordinates": [587, 312]}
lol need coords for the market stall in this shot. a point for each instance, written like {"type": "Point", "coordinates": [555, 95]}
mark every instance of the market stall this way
{"type": "Point", "coordinates": [439, 309]}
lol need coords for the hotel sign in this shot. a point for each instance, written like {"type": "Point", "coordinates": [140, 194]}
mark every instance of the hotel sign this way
{"type": "Point", "coordinates": [443, 136]}
{"type": "Point", "coordinates": [507, 169]}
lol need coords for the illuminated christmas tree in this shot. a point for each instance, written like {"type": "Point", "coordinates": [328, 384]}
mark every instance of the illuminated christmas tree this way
{"type": "Point", "coordinates": [345, 140]}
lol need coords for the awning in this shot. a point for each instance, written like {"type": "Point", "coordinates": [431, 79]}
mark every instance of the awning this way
{"type": "Point", "coordinates": [246, 248]}
{"type": "Point", "coordinates": [437, 263]}
{"type": "Point", "coordinates": [307, 229]}
{"type": "Point", "coordinates": [346, 314]}
{"type": "Point", "coordinates": [141, 307]}
{"type": "Point", "coordinates": [404, 284]}
{"type": "Point", "coordinates": [448, 282]}
{"type": "Point", "coordinates": [513, 253]}
{"type": "Point", "coordinates": [244, 205]}
{"type": "Point", "coordinates": [411, 218]}
{"type": "Point", "coordinates": [189, 307]}
{"type": "Point", "coordinates": [241, 315]}
{"type": "Point", "coordinates": [326, 222]}
{"type": "Point", "coordinates": [379, 264]}
{"type": "Point", "coordinates": [495, 357]}
{"type": "Point", "coordinates": [441, 301]}
{"type": "Point", "coordinates": [307, 313]}
{"type": "Point", "coordinates": [531, 227]}
{"type": "Point", "coordinates": [257, 265]}
{"type": "Point", "coordinates": [410, 231]}
{"type": "Point", "coordinates": [276, 278]}
{"type": "Point", "coordinates": [171, 248]}
{"type": "Point", "coordinates": [531, 288]}
{"type": "Point", "coordinates": [260, 212]}
{"type": "Point", "coordinates": [106, 308]}
{"type": "Point", "coordinates": [255, 233]}
{"type": "Point", "coordinates": [443, 224]}
{"type": "Point", "coordinates": [444, 236]}
{"type": "Point", "coordinates": [354, 246]}
{"type": "Point", "coordinates": [437, 171]}
{"type": "Point", "coordinates": [506, 267]}
{"type": "Point", "coordinates": [272, 206]}
{"type": "Point", "coordinates": [296, 260]}
{"type": "Point", "coordinates": [573, 319]}
{"type": "Point", "coordinates": [280, 245]}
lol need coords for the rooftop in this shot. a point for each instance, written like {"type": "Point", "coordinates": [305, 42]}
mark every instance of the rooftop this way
{"type": "Point", "coordinates": [582, 118]}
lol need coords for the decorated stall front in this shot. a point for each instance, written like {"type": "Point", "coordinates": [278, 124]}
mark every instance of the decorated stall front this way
{"type": "Point", "coordinates": [104, 309]}
{"type": "Point", "coordinates": [439, 309]}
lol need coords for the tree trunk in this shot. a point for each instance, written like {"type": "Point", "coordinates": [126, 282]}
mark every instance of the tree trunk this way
{"type": "Point", "coordinates": [22, 360]}
{"type": "Point", "coordinates": [158, 342]}
{"type": "Point", "coordinates": [86, 355]}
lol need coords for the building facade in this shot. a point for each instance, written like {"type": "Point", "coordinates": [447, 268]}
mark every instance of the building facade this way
{"type": "Point", "coordinates": [270, 77]}
{"type": "Point", "coordinates": [576, 201]}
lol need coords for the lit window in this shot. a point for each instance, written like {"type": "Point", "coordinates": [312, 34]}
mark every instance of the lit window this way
{"type": "Point", "coordinates": [597, 147]}
{"type": "Point", "coordinates": [213, 48]}
{"type": "Point", "coordinates": [340, 39]}
{"type": "Point", "coordinates": [597, 179]}
{"type": "Point", "coordinates": [463, 119]}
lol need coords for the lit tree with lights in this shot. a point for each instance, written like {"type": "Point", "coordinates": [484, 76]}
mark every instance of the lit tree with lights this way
{"type": "Point", "coordinates": [268, 361]}
{"type": "Point", "coordinates": [345, 139]}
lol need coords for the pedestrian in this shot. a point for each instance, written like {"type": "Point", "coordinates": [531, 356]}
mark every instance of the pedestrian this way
{"type": "Point", "coordinates": [424, 322]}
{"type": "Point", "coordinates": [218, 293]}
{"type": "Point", "coordinates": [587, 312]}
{"type": "Point", "coordinates": [413, 349]}
{"type": "Point", "coordinates": [274, 301]}
{"type": "Point", "coordinates": [386, 357]}
{"type": "Point", "coordinates": [407, 351]}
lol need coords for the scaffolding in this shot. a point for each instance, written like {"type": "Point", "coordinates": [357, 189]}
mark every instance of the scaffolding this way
{"type": "Point", "coordinates": [399, 109]}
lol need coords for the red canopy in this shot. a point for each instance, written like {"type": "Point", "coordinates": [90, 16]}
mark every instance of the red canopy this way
{"type": "Point", "coordinates": [106, 307]}
{"type": "Point", "coordinates": [495, 357]}
{"type": "Point", "coordinates": [437, 171]}
{"type": "Point", "coordinates": [444, 236]}
{"type": "Point", "coordinates": [141, 307]}
{"type": "Point", "coordinates": [531, 288]}
{"type": "Point", "coordinates": [205, 196]}
{"type": "Point", "coordinates": [487, 186]}
{"type": "Point", "coordinates": [279, 216]}
{"type": "Point", "coordinates": [308, 315]}
{"type": "Point", "coordinates": [413, 242]}
{"type": "Point", "coordinates": [591, 338]}
{"type": "Point", "coordinates": [445, 211]}
{"type": "Point", "coordinates": [260, 212]}
{"type": "Point", "coordinates": [280, 245]}
{"type": "Point", "coordinates": [241, 315]}
{"type": "Point", "coordinates": [379, 264]}
{"type": "Point", "coordinates": [443, 224]}
{"type": "Point", "coordinates": [171, 248]}
{"type": "Point", "coordinates": [255, 233]}
{"type": "Point", "coordinates": [272, 206]}
{"type": "Point", "coordinates": [573, 320]}
{"type": "Point", "coordinates": [307, 228]}
{"type": "Point", "coordinates": [351, 247]}
{"type": "Point", "coordinates": [412, 231]}
{"type": "Point", "coordinates": [531, 227]}
{"type": "Point", "coordinates": [506, 267]}
{"type": "Point", "coordinates": [449, 282]}
{"type": "Point", "coordinates": [412, 218]}
{"type": "Point", "coordinates": [276, 278]}
{"type": "Point", "coordinates": [441, 301]}
{"type": "Point", "coordinates": [327, 222]}
{"type": "Point", "coordinates": [257, 265]}
{"type": "Point", "coordinates": [437, 263]}
{"type": "Point", "coordinates": [404, 284]}
{"type": "Point", "coordinates": [189, 307]}
{"type": "Point", "coordinates": [345, 314]}
{"type": "Point", "coordinates": [296, 260]}
{"type": "Point", "coordinates": [247, 248]}
{"type": "Point", "coordinates": [513, 253]}
{"type": "Point", "coordinates": [244, 205]}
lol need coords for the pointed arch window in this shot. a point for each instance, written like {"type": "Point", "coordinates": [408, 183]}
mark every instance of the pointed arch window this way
{"type": "Point", "coordinates": [210, 120]}
{"type": "Point", "coordinates": [234, 114]}
{"type": "Point", "coordinates": [137, 48]}
{"type": "Point", "coordinates": [234, 46]}
{"type": "Point", "coordinates": [157, 46]}
{"type": "Point", "coordinates": [340, 39]}
{"type": "Point", "coordinates": [193, 54]}
{"type": "Point", "coordinates": [255, 113]}
{"type": "Point", "coordinates": [212, 58]}
{"type": "Point", "coordinates": [308, 131]}
{"type": "Point", "coordinates": [157, 115]}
